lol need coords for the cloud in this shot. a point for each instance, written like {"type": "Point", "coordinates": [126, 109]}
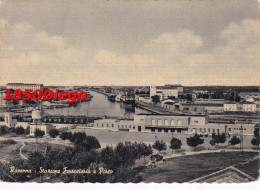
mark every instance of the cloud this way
{"type": "Point", "coordinates": [30, 55]}
{"type": "Point", "coordinates": [180, 58]}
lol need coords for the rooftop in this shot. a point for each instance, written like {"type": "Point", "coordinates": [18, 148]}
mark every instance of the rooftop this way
{"type": "Point", "coordinates": [148, 114]}
{"type": "Point", "coordinates": [22, 84]}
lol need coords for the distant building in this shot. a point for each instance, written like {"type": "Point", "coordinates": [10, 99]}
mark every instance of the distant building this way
{"type": "Point", "coordinates": [247, 95]}
{"type": "Point", "coordinates": [5, 103]}
{"type": "Point", "coordinates": [165, 91]}
{"type": "Point", "coordinates": [23, 86]}
{"type": "Point", "coordinates": [209, 101]}
{"type": "Point", "coordinates": [153, 123]}
{"type": "Point", "coordinates": [249, 107]}
{"type": "Point", "coordinates": [179, 124]}
{"type": "Point", "coordinates": [230, 106]}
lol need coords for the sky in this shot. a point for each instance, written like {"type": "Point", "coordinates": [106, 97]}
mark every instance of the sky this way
{"type": "Point", "coordinates": [130, 42]}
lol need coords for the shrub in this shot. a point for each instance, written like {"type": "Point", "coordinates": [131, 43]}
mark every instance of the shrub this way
{"type": "Point", "coordinates": [8, 141]}
{"type": "Point", "coordinates": [156, 157]}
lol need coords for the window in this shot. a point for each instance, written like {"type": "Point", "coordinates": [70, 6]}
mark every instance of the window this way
{"type": "Point", "coordinates": [213, 130]}
{"type": "Point", "coordinates": [133, 127]}
{"type": "Point", "coordinates": [153, 122]}
{"type": "Point", "coordinates": [208, 129]}
{"type": "Point", "coordinates": [97, 124]}
{"type": "Point", "coordinates": [112, 125]}
{"type": "Point", "coordinates": [218, 130]}
{"type": "Point", "coordinates": [172, 123]}
{"type": "Point", "coordinates": [102, 125]}
{"type": "Point", "coordinates": [179, 122]}
{"type": "Point", "coordinates": [159, 130]}
{"type": "Point", "coordinates": [153, 130]}
{"type": "Point", "coordinates": [229, 129]}
{"type": "Point", "coordinates": [129, 126]}
{"type": "Point", "coordinates": [159, 122]}
{"type": "Point", "coordinates": [166, 122]}
{"type": "Point", "coordinates": [196, 122]}
{"type": "Point", "coordinates": [107, 125]}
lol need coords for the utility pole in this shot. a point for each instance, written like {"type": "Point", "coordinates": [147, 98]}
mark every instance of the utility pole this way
{"type": "Point", "coordinates": [241, 139]}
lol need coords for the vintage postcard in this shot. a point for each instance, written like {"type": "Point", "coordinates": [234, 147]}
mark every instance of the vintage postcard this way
{"type": "Point", "coordinates": [130, 91]}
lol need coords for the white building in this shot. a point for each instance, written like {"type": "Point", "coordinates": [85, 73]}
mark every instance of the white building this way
{"type": "Point", "coordinates": [249, 107]}
{"type": "Point", "coordinates": [152, 123]}
{"type": "Point", "coordinates": [181, 124]}
{"type": "Point", "coordinates": [165, 91]}
{"type": "Point", "coordinates": [230, 106]}
{"type": "Point", "coordinates": [23, 86]}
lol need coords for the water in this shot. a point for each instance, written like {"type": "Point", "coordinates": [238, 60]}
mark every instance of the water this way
{"type": "Point", "coordinates": [98, 106]}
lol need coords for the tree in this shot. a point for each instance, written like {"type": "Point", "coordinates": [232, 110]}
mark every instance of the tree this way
{"type": "Point", "coordinates": [88, 143]}
{"type": "Point", "coordinates": [212, 142]}
{"type": "Point", "coordinates": [3, 130]}
{"type": "Point", "coordinates": [64, 135]}
{"type": "Point", "coordinates": [19, 130]}
{"type": "Point", "coordinates": [234, 140]}
{"type": "Point", "coordinates": [144, 149]}
{"type": "Point", "coordinates": [53, 133]}
{"type": "Point", "coordinates": [77, 137]}
{"type": "Point", "coordinates": [36, 160]}
{"type": "Point", "coordinates": [219, 138]}
{"type": "Point", "coordinates": [255, 142]}
{"type": "Point", "coordinates": [155, 99]}
{"type": "Point", "coordinates": [175, 144]}
{"type": "Point", "coordinates": [159, 145]}
{"type": "Point", "coordinates": [39, 133]}
{"type": "Point", "coordinates": [194, 141]}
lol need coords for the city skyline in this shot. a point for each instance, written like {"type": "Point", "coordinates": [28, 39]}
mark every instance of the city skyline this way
{"type": "Point", "coordinates": [143, 43]}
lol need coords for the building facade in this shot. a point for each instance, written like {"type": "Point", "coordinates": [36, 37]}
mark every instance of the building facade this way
{"type": "Point", "coordinates": [249, 107]}
{"type": "Point", "coordinates": [231, 106]}
{"type": "Point", "coordinates": [165, 91]}
{"type": "Point", "coordinates": [23, 86]}
{"type": "Point", "coordinates": [152, 123]}
{"type": "Point", "coordinates": [182, 124]}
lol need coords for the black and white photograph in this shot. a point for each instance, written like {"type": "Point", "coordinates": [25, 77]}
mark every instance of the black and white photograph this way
{"type": "Point", "coordinates": [129, 91]}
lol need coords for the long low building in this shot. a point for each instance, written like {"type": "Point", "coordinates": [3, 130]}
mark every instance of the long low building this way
{"type": "Point", "coordinates": [186, 124]}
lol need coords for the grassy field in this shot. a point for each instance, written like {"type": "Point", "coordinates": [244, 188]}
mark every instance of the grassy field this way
{"type": "Point", "coordinates": [33, 146]}
{"type": "Point", "coordinates": [9, 152]}
{"type": "Point", "coordinates": [187, 168]}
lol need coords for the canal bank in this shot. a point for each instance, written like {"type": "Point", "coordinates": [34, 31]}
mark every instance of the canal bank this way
{"type": "Point", "coordinates": [99, 106]}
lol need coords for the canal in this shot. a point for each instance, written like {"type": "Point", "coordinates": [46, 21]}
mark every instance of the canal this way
{"type": "Point", "coordinates": [98, 106]}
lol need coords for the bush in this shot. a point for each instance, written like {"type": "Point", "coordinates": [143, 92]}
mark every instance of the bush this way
{"type": "Point", "coordinates": [3, 130]}
{"type": "Point", "coordinates": [19, 130]}
{"type": "Point", "coordinates": [39, 133]}
{"type": "Point", "coordinates": [8, 141]}
{"type": "Point", "coordinates": [53, 133]}
{"type": "Point", "coordinates": [156, 157]}
{"type": "Point", "coordinates": [159, 145]}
